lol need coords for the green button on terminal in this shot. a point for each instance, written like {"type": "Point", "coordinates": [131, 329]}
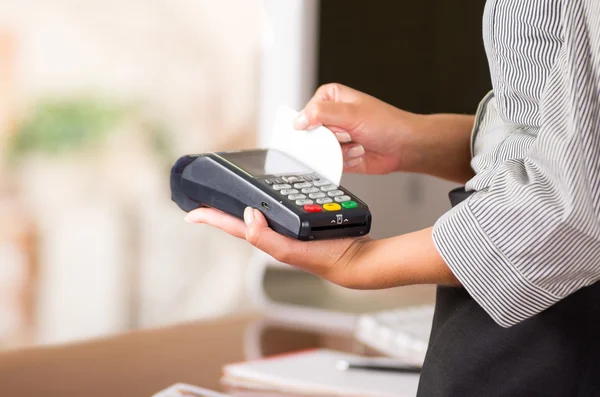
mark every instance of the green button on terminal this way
{"type": "Point", "coordinates": [349, 204]}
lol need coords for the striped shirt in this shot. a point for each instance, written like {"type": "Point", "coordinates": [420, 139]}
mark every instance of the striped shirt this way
{"type": "Point", "coordinates": [530, 234]}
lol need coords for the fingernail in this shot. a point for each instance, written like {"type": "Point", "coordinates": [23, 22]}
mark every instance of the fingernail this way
{"type": "Point", "coordinates": [188, 218]}
{"type": "Point", "coordinates": [343, 137]}
{"type": "Point", "coordinates": [355, 151]}
{"type": "Point", "coordinates": [353, 162]}
{"type": "Point", "coordinates": [301, 122]}
{"type": "Point", "coordinates": [248, 215]}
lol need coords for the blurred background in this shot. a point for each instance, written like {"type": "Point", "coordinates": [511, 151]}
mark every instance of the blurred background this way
{"type": "Point", "coordinates": [98, 98]}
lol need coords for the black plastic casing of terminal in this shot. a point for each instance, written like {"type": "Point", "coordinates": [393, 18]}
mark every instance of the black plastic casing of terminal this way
{"type": "Point", "coordinates": [210, 180]}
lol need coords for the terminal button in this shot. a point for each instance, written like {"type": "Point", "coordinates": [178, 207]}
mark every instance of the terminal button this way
{"type": "Point", "coordinates": [349, 204]}
{"type": "Point", "coordinates": [328, 188]}
{"type": "Point", "coordinates": [335, 193]}
{"type": "Point", "coordinates": [310, 190]}
{"type": "Point", "coordinates": [312, 208]}
{"type": "Point", "coordinates": [302, 185]}
{"type": "Point", "coordinates": [341, 199]}
{"type": "Point", "coordinates": [291, 179]}
{"type": "Point", "coordinates": [332, 207]}
{"type": "Point", "coordinates": [317, 195]}
{"type": "Point", "coordinates": [297, 196]}
{"type": "Point", "coordinates": [321, 183]}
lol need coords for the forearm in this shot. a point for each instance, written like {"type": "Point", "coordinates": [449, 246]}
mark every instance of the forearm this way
{"type": "Point", "coordinates": [442, 143]}
{"type": "Point", "coordinates": [402, 260]}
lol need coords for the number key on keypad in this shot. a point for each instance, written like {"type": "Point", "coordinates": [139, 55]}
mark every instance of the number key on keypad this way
{"type": "Point", "coordinates": [341, 199]}
{"type": "Point", "coordinates": [280, 186]}
{"type": "Point", "coordinates": [335, 193]}
{"type": "Point", "coordinates": [324, 200]}
{"type": "Point", "coordinates": [288, 191]}
{"type": "Point", "coordinates": [321, 183]}
{"type": "Point", "coordinates": [317, 195]}
{"type": "Point", "coordinates": [296, 196]}
{"type": "Point", "coordinates": [328, 188]}
{"type": "Point", "coordinates": [310, 190]}
{"type": "Point", "coordinates": [302, 185]}
{"type": "Point", "coordinates": [304, 202]}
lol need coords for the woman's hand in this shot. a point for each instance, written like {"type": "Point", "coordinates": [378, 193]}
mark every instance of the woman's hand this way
{"type": "Point", "coordinates": [326, 258]}
{"type": "Point", "coordinates": [359, 263]}
{"type": "Point", "coordinates": [376, 137]}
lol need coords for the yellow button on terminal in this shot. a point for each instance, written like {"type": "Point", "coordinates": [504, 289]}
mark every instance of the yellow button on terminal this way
{"type": "Point", "coordinates": [331, 207]}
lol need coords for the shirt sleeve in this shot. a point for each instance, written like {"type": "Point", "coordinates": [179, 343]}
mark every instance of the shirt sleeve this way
{"type": "Point", "coordinates": [533, 236]}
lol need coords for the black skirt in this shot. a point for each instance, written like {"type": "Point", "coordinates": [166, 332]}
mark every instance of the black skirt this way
{"type": "Point", "coordinates": [554, 353]}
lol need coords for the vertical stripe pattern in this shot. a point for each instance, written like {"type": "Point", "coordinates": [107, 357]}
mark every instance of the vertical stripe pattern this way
{"type": "Point", "coordinates": [530, 235]}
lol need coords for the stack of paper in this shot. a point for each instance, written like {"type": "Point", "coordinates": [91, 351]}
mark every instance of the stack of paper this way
{"type": "Point", "coordinates": [314, 372]}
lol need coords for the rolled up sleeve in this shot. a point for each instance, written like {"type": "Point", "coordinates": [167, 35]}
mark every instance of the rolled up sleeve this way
{"type": "Point", "coordinates": [532, 237]}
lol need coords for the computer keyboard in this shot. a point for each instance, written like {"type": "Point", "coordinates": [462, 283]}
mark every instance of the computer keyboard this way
{"type": "Point", "coordinates": [402, 333]}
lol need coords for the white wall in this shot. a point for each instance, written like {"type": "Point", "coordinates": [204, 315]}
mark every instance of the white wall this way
{"type": "Point", "coordinates": [195, 65]}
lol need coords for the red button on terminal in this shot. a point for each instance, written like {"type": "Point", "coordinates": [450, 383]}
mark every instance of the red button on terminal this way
{"type": "Point", "coordinates": [312, 208]}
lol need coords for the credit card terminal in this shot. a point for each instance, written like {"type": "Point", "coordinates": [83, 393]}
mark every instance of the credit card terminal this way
{"type": "Point", "coordinates": [296, 201]}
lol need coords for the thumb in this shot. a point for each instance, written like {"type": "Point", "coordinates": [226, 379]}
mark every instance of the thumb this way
{"type": "Point", "coordinates": [260, 235]}
{"type": "Point", "coordinates": [344, 115]}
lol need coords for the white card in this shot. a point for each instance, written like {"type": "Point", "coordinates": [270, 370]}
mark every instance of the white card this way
{"type": "Point", "coordinates": [318, 148]}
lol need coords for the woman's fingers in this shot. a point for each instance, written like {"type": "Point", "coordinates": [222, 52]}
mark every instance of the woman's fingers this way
{"type": "Point", "coordinates": [223, 221]}
{"type": "Point", "coordinates": [353, 157]}
{"type": "Point", "coordinates": [312, 256]}
{"type": "Point", "coordinates": [340, 114]}
{"type": "Point", "coordinates": [317, 257]}
{"type": "Point", "coordinates": [342, 135]}
{"type": "Point", "coordinates": [253, 228]}
{"type": "Point", "coordinates": [353, 150]}
{"type": "Point", "coordinates": [334, 92]}
{"type": "Point", "coordinates": [259, 234]}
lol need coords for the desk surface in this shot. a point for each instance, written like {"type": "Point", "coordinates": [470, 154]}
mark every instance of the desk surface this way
{"type": "Point", "coordinates": [141, 363]}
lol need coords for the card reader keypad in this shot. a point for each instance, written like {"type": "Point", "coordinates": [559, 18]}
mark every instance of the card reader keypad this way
{"type": "Point", "coordinates": [305, 190]}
